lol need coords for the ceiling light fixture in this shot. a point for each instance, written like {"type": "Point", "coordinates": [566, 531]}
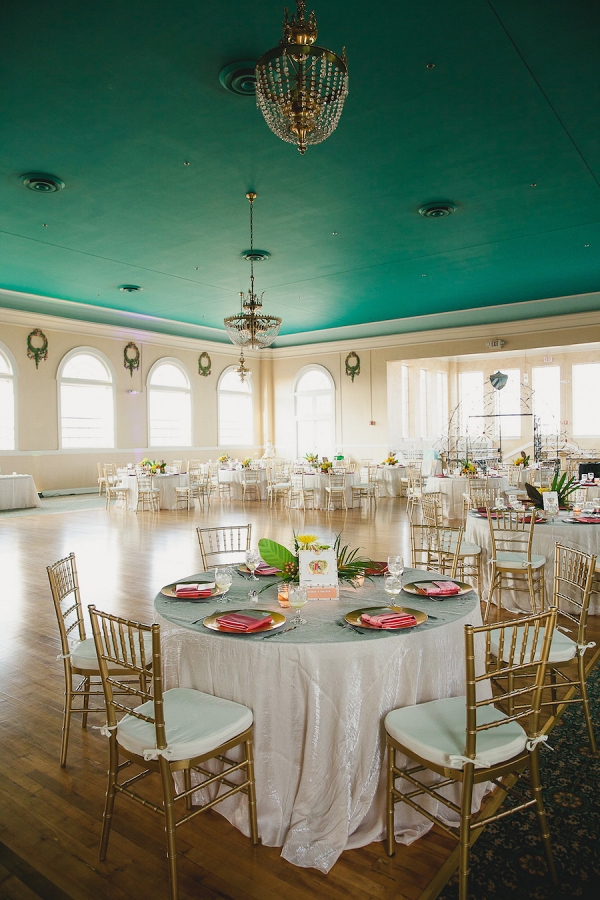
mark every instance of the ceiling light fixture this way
{"type": "Point", "coordinates": [42, 183]}
{"type": "Point", "coordinates": [251, 328]}
{"type": "Point", "coordinates": [301, 88]}
{"type": "Point", "coordinates": [130, 288]}
{"type": "Point", "coordinates": [437, 210]}
{"type": "Point", "coordinates": [242, 370]}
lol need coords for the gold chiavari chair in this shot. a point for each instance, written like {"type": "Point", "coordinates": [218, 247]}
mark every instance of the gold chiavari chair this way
{"type": "Point", "coordinates": [295, 497]}
{"type": "Point", "coordinates": [77, 651]}
{"type": "Point", "coordinates": [101, 479]}
{"type": "Point", "coordinates": [227, 540]}
{"type": "Point", "coordinates": [469, 553]}
{"type": "Point", "coordinates": [436, 548]}
{"type": "Point", "coordinates": [172, 731]}
{"type": "Point", "coordinates": [431, 508]}
{"type": "Point", "coordinates": [201, 487]}
{"type": "Point", "coordinates": [336, 490]}
{"type": "Point", "coordinates": [277, 485]}
{"type": "Point", "coordinates": [469, 740]}
{"type": "Point", "coordinates": [414, 489]}
{"type": "Point", "coordinates": [367, 488]}
{"type": "Point", "coordinates": [250, 484]}
{"type": "Point", "coordinates": [148, 496]}
{"type": "Point", "coordinates": [184, 494]}
{"type": "Point", "coordinates": [178, 464]}
{"type": "Point", "coordinates": [114, 490]}
{"type": "Point", "coordinates": [511, 538]}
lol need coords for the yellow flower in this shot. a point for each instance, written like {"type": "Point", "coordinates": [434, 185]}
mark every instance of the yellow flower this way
{"type": "Point", "coordinates": [307, 541]}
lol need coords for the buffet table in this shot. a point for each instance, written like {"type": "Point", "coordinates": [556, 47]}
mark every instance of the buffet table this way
{"type": "Point", "coordinates": [452, 488]}
{"type": "Point", "coordinates": [577, 535]}
{"type": "Point", "coordinates": [18, 492]}
{"type": "Point", "coordinates": [319, 694]}
{"type": "Point", "coordinates": [165, 484]}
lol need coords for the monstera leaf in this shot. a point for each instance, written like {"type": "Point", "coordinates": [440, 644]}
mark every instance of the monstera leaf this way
{"type": "Point", "coordinates": [275, 554]}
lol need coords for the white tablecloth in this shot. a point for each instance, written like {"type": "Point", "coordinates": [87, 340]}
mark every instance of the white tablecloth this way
{"type": "Point", "coordinates": [320, 481]}
{"type": "Point", "coordinates": [165, 484]}
{"type": "Point", "coordinates": [18, 492]}
{"type": "Point", "coordinates": [580, 537]}
{"type": "Point", "coordinates": [452, 490]}
{"type": "Point", "coordinates": [319, 696]}
{"type": "Point", "coordinates": [234, 477]}
{"type": "Point", "coordinates": [389, 479]}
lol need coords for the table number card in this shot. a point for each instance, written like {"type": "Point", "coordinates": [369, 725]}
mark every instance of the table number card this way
{"type": "Point", "coordinates": [318, 573]}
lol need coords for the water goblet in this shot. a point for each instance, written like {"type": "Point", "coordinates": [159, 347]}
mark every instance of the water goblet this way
{"type": "Point", "coordinates": [223, 581]}
{"type": "Point", "coordinates": [395, 565]}
{"type": "Point", "coordinates": [297, 597]}
{"type": "Point", "coordinates": [392, 585]}
{"type": "Point", "coordinates": [252, 561]}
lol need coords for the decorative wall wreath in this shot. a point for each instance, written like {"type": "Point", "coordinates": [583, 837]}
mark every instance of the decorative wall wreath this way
{"type": "Point", "coordinates": [352, 365]}
{"type": "Point", "coordinates": [204, 367]}
{"type": "Point", "coordinates": [37, 353]}
{"type": "Point", "coordinates": [131, 360]}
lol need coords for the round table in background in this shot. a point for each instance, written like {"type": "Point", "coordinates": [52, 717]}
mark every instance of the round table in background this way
{"type": "Point", "coordinates": [319, 694]}
{"type": "Point", "coordinates": [452, 488]}
{"type": "Point", "coordinates": [18, 492]}
{"type": "Point", "coordinates": [389, 479]}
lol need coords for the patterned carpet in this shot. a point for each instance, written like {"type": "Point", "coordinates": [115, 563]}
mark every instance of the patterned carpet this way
{"type": "Point", "coordinates": [66, 503]}
{"type": "Point", "coordinates": [508, 862]}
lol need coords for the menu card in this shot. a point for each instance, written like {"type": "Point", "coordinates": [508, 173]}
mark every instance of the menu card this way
{"type": "Point", "coordinates": [318, 573]}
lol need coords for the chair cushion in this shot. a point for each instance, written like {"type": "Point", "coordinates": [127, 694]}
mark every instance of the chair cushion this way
{"type": "Point", "coordinates": [436, 731]}
{"type": "Point", "coordinates": [196, 723]}
{"type": "Point", "coordinates": [83, 655]}
{"type": "Point", "coordinates": [512, 559]}
{"type": "Point", "coordinates": [469, 549]}
{"type": "Point", "coordinates": [281, 486]}
{"type": "Point", "coordinates": [562, 648]}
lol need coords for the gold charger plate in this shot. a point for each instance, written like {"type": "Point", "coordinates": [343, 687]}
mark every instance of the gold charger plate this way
{"type": "Point", "coordinates": [353, 618]}
{"type": "Point", "coordinates": [464, 589]}
{"type": "Point", "coordinates": [169, 591]}
{"type": "Point", "coordinates": [211, 621]}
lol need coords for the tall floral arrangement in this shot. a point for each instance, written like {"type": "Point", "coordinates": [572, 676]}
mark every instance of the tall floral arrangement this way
{"type": "Point", "coordinates": [349, 563]}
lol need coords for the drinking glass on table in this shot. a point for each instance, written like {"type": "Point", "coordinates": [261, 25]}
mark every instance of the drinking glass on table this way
{"type": "Point", "coordinates": [252, 561]}
{"type": "Point", "coordinates": [395, 565]}
{"type": "Point", "coordinates": [223, 581]}
{"type": "Point", "coordinates": [297, 596]}
{"type": "Point", "coordinates": [392, 585]}
{"type": "Point", "coordinates": [552, 508]}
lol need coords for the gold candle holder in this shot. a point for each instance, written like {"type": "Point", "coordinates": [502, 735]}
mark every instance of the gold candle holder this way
{"type": "Point", "coordinates": [358, 580]}
{"type": "Point", "coordinates": [282, 596]}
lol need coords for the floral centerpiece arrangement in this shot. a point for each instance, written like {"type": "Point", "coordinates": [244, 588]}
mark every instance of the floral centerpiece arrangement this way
{"type": "Point", "coordinates": [326, 466]}
{"type": "Point", "coordinates": [224, 458]}
{"type": "Point", "coordinates": [349, 563]}
{"type": "Point", "coordinates": [564, 488]}
{"type": "Point", "coordinates": [467, 467]}
{"type": "Point", "coordinates": [390, 460]}
{"type": "Point", "coordinates": [522, 460]}
{"type": "Point", "coordinates": [153, 466]}
{"type": "Point", "coordinates": [246, 462]}
{"type": "Point", "coordinates": [312, 459]}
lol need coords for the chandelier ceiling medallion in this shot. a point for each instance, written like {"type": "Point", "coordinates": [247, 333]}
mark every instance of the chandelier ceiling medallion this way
{"type": "Point", "coordinates": [251, 328]}
{"type": "Point", "coordinates": [301, 88]}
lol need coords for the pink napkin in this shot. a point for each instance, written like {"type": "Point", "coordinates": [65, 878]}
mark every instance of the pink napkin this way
{"type": "Point", "coordinates": [438, 588]}
{"type": "Point", "coordinates": [389, 620]}
{"type": "Point", "coordinates": [240, 622]}
{"type": "Point", "coordinates": [587, 520]}
{"type": "Point", "coordinates": [192, 591]}
{"type": "Point", "coordinates": [264, 569]}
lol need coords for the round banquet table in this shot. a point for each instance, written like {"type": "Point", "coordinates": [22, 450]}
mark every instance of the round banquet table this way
{"type": "Point", "coordinates": [319, 694]}
{"type": "Point", "coordinates": [234, 478]}
{"type": "Point", "coordinates": [577, 535]}
{"type": "Point", "coordinates": [318, 481]}
{"type": "Point", "coordinates": [165, 484]}
{"type": "Point", "coordinates": [18, 492]}
{"type": "Point", "coordinates": [452, 488]}
{"type": "Point", "coordinates": [389, 479]}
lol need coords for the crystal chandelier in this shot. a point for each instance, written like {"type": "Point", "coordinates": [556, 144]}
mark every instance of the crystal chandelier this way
{"type": "Point", "coordinates": [251, 327]}
{"type": "Point", "coordinates": [301, 88]}
{"type": "Point", "coordinates": [242, 370]}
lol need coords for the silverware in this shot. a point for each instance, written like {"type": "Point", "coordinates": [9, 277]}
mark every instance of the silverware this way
{"type": "Point", "coordinates": [275, 633]}
{"type": "Point", "coordinates": [351, 627]}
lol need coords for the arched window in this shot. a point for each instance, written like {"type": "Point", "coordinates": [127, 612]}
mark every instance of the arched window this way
{"type": "Point", "coordinates": [314, 400]}
{"type": "Point", "coordinates": [7, 403]}
{"type": "Point", "coordinates": [87, 403]}
{"type": "Point", "coordinates": [169, 405]}
{"type": "Point", "coordinates": [236, 417]}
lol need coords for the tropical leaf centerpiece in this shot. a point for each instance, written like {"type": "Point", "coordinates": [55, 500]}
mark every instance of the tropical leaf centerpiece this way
{"type": "Point", "coordinates": [349, 562]}
{"type": "Point", "coordinates": [467, 467]}
{"type": "Point", "coordinates": [312, 459]}
{"type": "Point", "coordinates": [563, 486]}
{"type": "Point", "coordinates": [522, 460]}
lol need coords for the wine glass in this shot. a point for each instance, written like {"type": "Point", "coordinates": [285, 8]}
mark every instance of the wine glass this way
{"type": "Point", "coordinates": [395, 565]}
{"type": "Point", "coordinates": [252, 561]}
{"type": "Point", "coordinates": [392, 585]}
{"type": "Point", "coordinates": [297, 596]}
{"type": "Point", "coordinates": [552, 508]}
{"type": "Point", "coordinates": [223, 581]}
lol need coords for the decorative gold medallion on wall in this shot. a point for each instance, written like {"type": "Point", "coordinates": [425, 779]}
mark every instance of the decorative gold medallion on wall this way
{"type": "Point", "coordinates": [131, 357]}
{"type": "Point", "coordinates": [352, 365]}
{"type": "Point", "coordinates": [204, 364]}
{"type": "Point", "coordinates": [38, 353]}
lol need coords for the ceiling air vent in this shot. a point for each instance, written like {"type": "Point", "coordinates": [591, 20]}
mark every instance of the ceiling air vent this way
{"type": "Point", "coordinates": [42, 183]}
{"type": "Point", "coordinates": [130, 288]}
{"type": "Point", "coordinates": [437, 210]}
{"type": "Point", "coordinates": [255, 255]}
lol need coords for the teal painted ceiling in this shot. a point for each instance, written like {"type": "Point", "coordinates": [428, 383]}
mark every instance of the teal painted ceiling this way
{"type": "Point", "coordinates": [114, 97]}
